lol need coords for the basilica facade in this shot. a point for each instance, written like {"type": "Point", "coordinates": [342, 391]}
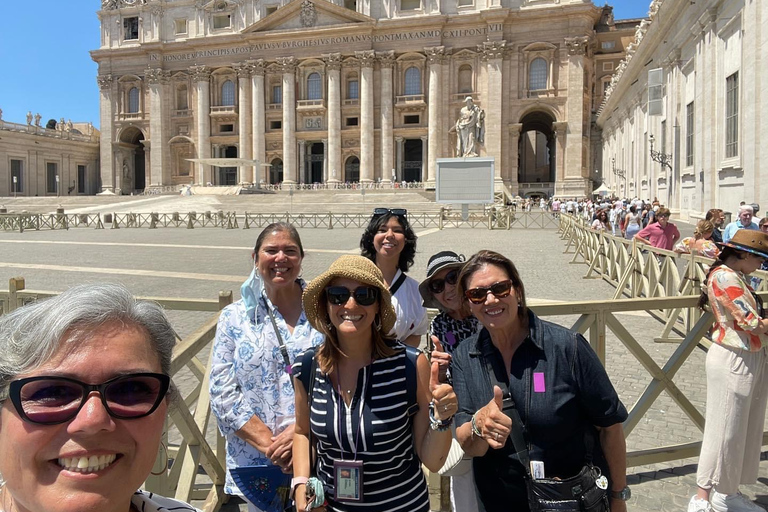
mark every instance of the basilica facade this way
{"type": "Point", "coordinates": [351, 90]}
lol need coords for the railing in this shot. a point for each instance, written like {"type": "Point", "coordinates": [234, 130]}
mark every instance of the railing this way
{"type": "Point", "coordinates": [410, 99]}
{"type": "Point", "coordinates": [182, 113]}
{"type": "Point", "coordinates": [45, 132]}
{"type": "Point", "coordinates": [463, 95]}
{"type": "Point", "coordinates": [274, 106]}
{"type": "Point", "coordinates": [310, 103]}
{"type": "Point", "coordinates": [224, 109]}
{"type": "Point", "coordinates": [351, 102]}
{"type": "Point", "coordinates": [125, 116]}
{"type": "Point", "coordinates": [354, 185]}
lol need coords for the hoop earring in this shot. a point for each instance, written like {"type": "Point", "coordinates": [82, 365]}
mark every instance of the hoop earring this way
{"type": "Point", "coordinates": [167, 461]}
{"type": "Point", "coordinates": [377, 322]}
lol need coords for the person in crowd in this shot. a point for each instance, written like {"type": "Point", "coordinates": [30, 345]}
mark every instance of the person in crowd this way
{"type": "Point", "coordinates": [662, 234]}
{"type": "Point", "coordinates": [566, 412]}
{"type": "Point", "coordinates": [632, 221]}
{"type": "Point", "coordinates": [756, 281]}
{"type": "Point", "coordinates": [601, 222]}
{"type": "Point", "coordinates": [257, 339]}
{"type": "Point", "coordinates": [717, 217]}
{"type": "Point", "coordinates": [737, 378]}
{"type": "Point", "coordinates": [390, 243]}
{"type": "Point", "coordinates": [378, 413]}
{"type": "Point", "coordinates": [615, 217]}
{"type": "Point", "coordinates": [453, 324]}
{"type": "Point", "coordinates": [700, 243]}
{"type": "Point", "coordinates": [743, 222]}
{"type": "Point", "coordinates": [84, 391]}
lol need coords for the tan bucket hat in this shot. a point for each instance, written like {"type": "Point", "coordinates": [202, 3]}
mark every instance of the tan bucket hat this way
{"type": "Point", "coordinates": [749, 240]}
{"type": "Point", "coordinates": [357, 268]}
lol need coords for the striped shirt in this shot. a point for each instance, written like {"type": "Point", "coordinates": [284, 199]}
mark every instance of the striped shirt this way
{"type": "Point", "coordinates": [382, 439]}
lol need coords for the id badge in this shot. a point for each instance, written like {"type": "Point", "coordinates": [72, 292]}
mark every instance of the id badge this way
{"type": "Point", "coordinates": [349, 480]}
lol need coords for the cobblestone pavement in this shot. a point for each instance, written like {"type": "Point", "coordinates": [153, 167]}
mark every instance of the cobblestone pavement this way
{"type": "Point", "coordinates": [198, 263]}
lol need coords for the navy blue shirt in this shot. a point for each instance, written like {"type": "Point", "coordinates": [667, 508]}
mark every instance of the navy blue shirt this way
{"type": "Point", "coordinates": [561, 391]}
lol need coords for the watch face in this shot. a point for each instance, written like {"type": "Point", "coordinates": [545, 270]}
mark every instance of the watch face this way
{"type": "Point", "coordinates": [623, 494]}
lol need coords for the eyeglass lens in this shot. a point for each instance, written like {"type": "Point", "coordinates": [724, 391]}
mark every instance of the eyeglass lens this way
{"type": "Point", "coordinates": [400, 212]}
{"type": "Point", "coordinates": [499, 290]}
{"type": "Point", "coordinates": [438, 285]}
{"type": "Point", "coordinates": [51, 400]}
{"type": "Point", "coordinates": [364, 295]}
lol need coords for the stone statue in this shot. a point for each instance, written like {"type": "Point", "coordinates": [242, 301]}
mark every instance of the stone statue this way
{"type": "Point", "coordinates": [38, 117]}
{"type": "Point", "coordinates": [126, 175]}
{"type": "Point", "coordinates": [1, 114]}
{"type": "Point", "coordinates": [470, 128]}
{"type": "Point", "coordinates": [29, 117]}
{"type": "Point", "coordinates": [62, 125]}
{"type": "Point", "coordinates": [69, 125]}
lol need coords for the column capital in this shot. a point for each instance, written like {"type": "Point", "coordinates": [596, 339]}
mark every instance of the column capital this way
{"type": "Point", "coordinates": [515, 129]}
{"type": "Point", "coordinates": [560, 128]}
{"type": "Point", "coordinates": [324, 141]}
{"type": "Point", "coordinates": [577, 45]}
{"type": "Point", "coordinates": [287, 64]}
{"type": "Point", "coordinates": [200, 73]}
{"type": "Point", "coordinates": [157, 76]}
{"type": "Point", "coordinates": [302, 142]}
{"type": "Point", "coordinates": [424, 138]}
{"type": "Point", "coordinates": [386, 59]}
{"type": "Point", "coordinates": [399, 139]}
{"type": "Point", "coordinates": [243, 69]}
{"type": "Point", "coordinates": [257, 67]}
{"type": "Point", "coordinates": [105, 81]}
{"type": "Point", "coordinates": [673, 60]}
{"type": "Point", "coordinates": [492, 49]}
{"type": "Point", "coordinates": [435, 54]}
{"type": "Point", "coordinates": [366, 58]}
{"type": "Point", "coordinates": [332, 61]}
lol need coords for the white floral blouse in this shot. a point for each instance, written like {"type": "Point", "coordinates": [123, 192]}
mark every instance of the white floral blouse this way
{"type": "Point", "coordinates": [249, 377]}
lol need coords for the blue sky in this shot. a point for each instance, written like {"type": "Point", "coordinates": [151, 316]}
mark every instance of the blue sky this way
{"type": "Point", "coordinates": [47, 67]}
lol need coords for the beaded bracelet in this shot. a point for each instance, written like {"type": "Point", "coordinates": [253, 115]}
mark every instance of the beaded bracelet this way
{"type": "Point", "coordinates": [476, 431]}
{"type": "Point", "coordinates": [434, 423]}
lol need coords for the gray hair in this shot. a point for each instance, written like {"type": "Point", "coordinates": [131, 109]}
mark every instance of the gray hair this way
{"type": "Point", "coordinates": [29, 336]}
{"type": "Point", "coordinates": [745, 208]}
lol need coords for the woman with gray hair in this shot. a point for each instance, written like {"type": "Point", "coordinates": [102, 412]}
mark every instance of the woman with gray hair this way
{"type": "Point", "coordinates": [84, 381]}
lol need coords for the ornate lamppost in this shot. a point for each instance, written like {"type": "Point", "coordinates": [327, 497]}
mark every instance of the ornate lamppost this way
{"type": "Point", "coordinates": [619, 173]}
{"type": "Point", "coordinates": [665, 159]}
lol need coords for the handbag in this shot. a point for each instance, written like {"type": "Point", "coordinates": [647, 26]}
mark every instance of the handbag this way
{"type": "Point", "coordinates": [265, 486]}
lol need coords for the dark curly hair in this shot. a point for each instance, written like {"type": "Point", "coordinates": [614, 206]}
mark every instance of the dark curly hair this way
{"type": "Point", "coordinates": [409, 251]}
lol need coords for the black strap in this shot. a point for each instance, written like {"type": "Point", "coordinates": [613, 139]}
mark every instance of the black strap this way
{"type": "Point", "coordinates": [397, 284]}
{"type": "Point", "coordinates": [411, 376]}
{"type": "Point", "coordinates": [283, 348]}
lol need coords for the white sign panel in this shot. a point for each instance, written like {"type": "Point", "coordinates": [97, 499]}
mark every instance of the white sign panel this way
{"type": "Point", "coordinates": [465, 180]}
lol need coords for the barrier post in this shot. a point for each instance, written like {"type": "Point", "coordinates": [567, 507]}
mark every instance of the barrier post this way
{"type": "Point", "coordinates": [15, 285]}
{"type": "Point", "coordinates": [330, 220]}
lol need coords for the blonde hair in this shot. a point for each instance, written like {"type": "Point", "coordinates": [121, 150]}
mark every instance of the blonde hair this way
{"type": "Point", "coordinates": [703, 227]}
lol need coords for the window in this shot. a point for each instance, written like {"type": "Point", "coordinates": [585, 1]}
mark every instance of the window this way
{"type": "Point", "coordinates": [17, 176]}
{"type": "Point", "coordinates": [182, 98]}
{"type": "Point", "coordinates": [181, 26]}
{"type": "Point", "coordinates": [277, 94]}
{"type": "Point", "coordinates": [275, 125]}
{"type": "Point", "coordinates": [353, 89]}
{"type": "Point", "coordinates": [351, 121]}
{"type": "Point", "coordinates": [350, 4]}
{"type": "Point", "coordinates": [225, 128]}
{"type": "Point", "coordinates": [81, 179]}
{"type": "Point", "coordinates": [465, 78]}
{"type": "Point", "coordinates": [314, 87]}
{"type": "Point", "coordinates": [606, 84]}
{"type": "Point", "coordinates": [411, 119]}
{"type": "Point", "coordinates": [133, 100]}
{"type": "Point", "coordinates": [464, 3]}
{"type": "Point", "coordinates": [222, 21]}
{"type": "Point", "coordinates": [228, 93]}
{"type": "Point", "coordinates": [271, 9]}
{"type": "Point", "coordinates": [131, 28]}
{"type": "Point", "coordinates": [607, 66]}
{"type": "Point", "coordinates": [608, 45]}
{"type": "Point", "coordinates": [412, 81]}
{"type": "Point", "coordinates": [537, 79]}
{"type": "Point", "coordinates": [51, 173]}
{"type": "Point", "coordinates": [732, 116]}
{"type": "Point", "coordinates": [689, 135]}
{"type": "Point", "coordinates": [409, 5]}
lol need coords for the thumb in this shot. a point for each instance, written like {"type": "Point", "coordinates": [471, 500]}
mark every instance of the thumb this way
{"type": "Point", "coordinates": [438, 345]}
{"type": "Point", "coordinates": [497, 397]}
{"type": "Point", "coordinates": [434, 376]}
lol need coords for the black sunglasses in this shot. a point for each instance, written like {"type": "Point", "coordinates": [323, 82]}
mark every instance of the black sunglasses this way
{"type": "Point", "coordinates": [364, 295]}
{"type": "Point", "coordinates": [438, 285]}
{"type": "Point", "coordinates": [499, 290]}
{"type": "Point", "coordinates": [399, 212]}
{"type": "Point", "coordinates": [54, 400]}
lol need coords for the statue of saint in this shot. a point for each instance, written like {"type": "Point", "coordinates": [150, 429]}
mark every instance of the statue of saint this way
{"type": "Point", "coordinates": [1, 114]}
{"type": "Point", "coordinates": [470, 128]}
{"type": "Point", "coordinates": [29, 117]}
{"type": "Point", "coordinates": [38, 117]}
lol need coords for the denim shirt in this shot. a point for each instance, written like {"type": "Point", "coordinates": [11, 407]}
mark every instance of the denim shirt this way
{"type": "Point", "coordinates": [561, 391]}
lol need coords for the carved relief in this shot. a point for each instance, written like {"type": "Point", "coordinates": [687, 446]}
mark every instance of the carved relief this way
{"type": "Point", "coordinates": [577, 45]}
{"type": "Point", "coordinates": [308, 15]}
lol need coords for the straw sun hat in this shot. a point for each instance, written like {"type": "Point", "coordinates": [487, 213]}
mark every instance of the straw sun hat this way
{"type": "Point", "coordinates": [749, 240]}
{"type": "Point", "coordinates": [357, 268]}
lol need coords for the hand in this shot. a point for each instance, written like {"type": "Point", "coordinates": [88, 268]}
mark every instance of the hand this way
{"type": "Point", "coordinates": [441, 357]}
{"type": "Point", "coordinates": [492, 422]}
{"type": "Point", "coordinates": [280, 452]}
{"type": "Point", "coordinates": [443, 397]}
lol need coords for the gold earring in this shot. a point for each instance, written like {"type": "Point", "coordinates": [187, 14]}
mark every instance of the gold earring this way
{"type": "Point", "coordinates": [167, 461]}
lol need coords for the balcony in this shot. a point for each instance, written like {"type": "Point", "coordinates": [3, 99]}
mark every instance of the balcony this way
{"type": "Point", "coordinates": [182, 113]}
{"type": "Point", "coordinates": [353, 102]}
{"type": "Point", "coordinates": [224, 110]}
{"type": "Point", "coordinates": [463, 95]}
{"type": "Point", "coordinates": [275, 106]}
{"type": "Point", "coordinates": [410, 102]}
{"type": "Point", "coordinates": [130, 116]}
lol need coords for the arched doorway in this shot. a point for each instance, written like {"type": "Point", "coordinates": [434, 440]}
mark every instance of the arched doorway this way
{"type": "Point", "coordinates": [536, 150]}
{"type": "Point", "coordinates": [412, 163]}
{"type": "Point", "coordinates": [276, 171]}
{"type": "Point", "coordinates": [352, 169]}
{"type": "Point", "coordinates": [133, 177]}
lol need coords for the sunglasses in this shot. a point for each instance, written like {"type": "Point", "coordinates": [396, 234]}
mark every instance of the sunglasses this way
{"type": "Point", "coordinates": [438, 285]}
{"type": "Point", "coordinates": [54, 400]}
{"type": "Point", "coordinates": [499, 290]}
{"type": "Point", "coordinates": [399, 212]}
{"type": "Point", "coordinates": [364, 295]}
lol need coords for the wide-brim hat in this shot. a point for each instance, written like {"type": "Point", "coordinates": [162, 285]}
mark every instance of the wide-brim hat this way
{"type": "Point", "coordinates": [439, 261]}
{"type": "Point", "coordinates": [357, 268]}
{"type": "Point", "coordinates": [749, 240]}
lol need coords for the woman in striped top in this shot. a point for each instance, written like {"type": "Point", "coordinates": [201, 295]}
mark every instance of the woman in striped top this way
{"type": "Point", "coordinates": [377, 410]}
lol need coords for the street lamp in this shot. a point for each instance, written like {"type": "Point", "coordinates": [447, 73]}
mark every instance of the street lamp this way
{"type": "Point", "coordinates": [665, 159]}
{"type": "Point", "coordinates": [57, 185]}
{"type": "Point", "coordinates": [619, 173]}
{"type": "Point", "coordinates": [15, 185]}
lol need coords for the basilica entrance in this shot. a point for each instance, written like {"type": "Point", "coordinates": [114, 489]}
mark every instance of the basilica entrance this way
{"type": "Point", "coordinates": [536, 150]}
{"type": "Point", "coordinates": [227, 176]}
{"type": "Point", "coordinates": [276, 171]}
{"type": "Point", "coordinates": [133, 176]}
{"type": "Point", "coordinates": [412, 160]}
{"type": "Point", "coordinates": [352, 170]}
{"type": "Point", "coordinates": [313, 172]}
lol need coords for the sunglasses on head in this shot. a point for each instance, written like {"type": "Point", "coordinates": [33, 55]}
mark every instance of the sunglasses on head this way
{"type": "Point", "coordinates": [364, 295]}
{"type": "Point", "coordinates": [438, 285]}
{"type": "Point", "coordinates": [479, 294]}
{"type": "Point", "coordinates": [54, 400]}
{"type": "Point", "coordinates": [399, 212]}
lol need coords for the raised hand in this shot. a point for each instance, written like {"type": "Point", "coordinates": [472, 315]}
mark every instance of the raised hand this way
{"type": "Point", "coordinates": [443, 397]}
{"type": "Point", "coordinates": [441, 357]}
{"type": "Point", "coordinates": [492, 422]}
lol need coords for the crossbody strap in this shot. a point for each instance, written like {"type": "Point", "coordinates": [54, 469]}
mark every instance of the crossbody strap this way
{"type": "Point", "coordinates": [411, 378]}
{"type": "Point", "coordinates": [397, 284]}
{"type": "Point", "coordinates": [283, 348]}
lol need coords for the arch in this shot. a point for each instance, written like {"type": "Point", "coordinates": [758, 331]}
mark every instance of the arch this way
{"type": "Point", "coordinates": [133, 100]}
{"type": "Point", "coordinates": [129, 78]}
{"type": "Point", "coordinates": [131, 134]}
{"type": "Point", "coordinates": [412, 81]}
{"type": "Point", "coordinates": [542, 108]}
{"type": "Point", "coordinates": [465, 79]}
{"type": "Point", "coordinates": [132, 169]}
{"type": "Point", "coordinates": [536, 149]}
{"type": "Point", "coordinates": [228, 93]}
{"type": "Point", "coordinates": [352, 169]}
{"type": "Point", "coordinates": [314, 86]}
{"type": "Point", "coordinates": [538, 74]}
{"type": "Point", "coordinates": [181, 139]}
{"type": "Point", "coordinates": [276, 171]}
{"type": "Point", "coordinates": [539, 47]}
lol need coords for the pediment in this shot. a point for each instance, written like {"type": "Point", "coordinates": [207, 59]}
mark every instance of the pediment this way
{"type": "Point", "coordinates": [307, 15]}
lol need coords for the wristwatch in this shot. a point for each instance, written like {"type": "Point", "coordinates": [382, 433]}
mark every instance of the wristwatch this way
{"type": "Point", "coordinates": [622, 495]}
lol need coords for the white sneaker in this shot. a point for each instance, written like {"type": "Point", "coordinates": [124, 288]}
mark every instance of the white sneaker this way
{"type": "Point", "coordinates": [699, 505]}
{"type": "Point", "coordinates": [733, 503]}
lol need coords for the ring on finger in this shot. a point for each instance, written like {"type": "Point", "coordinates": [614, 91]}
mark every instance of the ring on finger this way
{"type": "Point", "coordinates": [497, 436]}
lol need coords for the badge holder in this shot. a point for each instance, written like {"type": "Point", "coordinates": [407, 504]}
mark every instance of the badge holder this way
{"type": "Point", "coordinates": [349, 480]}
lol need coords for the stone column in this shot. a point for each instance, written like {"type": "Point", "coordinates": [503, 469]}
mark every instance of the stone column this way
{"type": "Point", "coordinates": [386, 62]}
{"type": "Point", "coordinates": [259, 120]}
{"type": "Point", "coordinates": [435, 56]}
{"type": "Point", "coordinates": [493, 55]}
{"type": "Point", "coordinates": [367, 167]}
{"type": "Point", "coordinates": [244, 124]}
{"type": "Point", "coordinates": [325, 160]}
{"type": "Point", "coordinates": [290, 171]}
{"type": "Point", "coordinates": [302, 161]}
{"type": "Point", "coordinates": [514, 162]}
{"type": "Point", "coordinates": [157, 79]}
{"type": "Point", "coordinates": [202, 76]}
{"type": "Point", "coordinates": [333, 154]}
{"type": "Point", "coordinates": [399, 158]}
{"type": "Point", "coordinates": [560, 131]}
{"type": "Point", "coordinates": [107, 117]}
{"type": "Point", "coordinates": [424, 158]}
{"type": "Point", "coordinates": [575, 171]}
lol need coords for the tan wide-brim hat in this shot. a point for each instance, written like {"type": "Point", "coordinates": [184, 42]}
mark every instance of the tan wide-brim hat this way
{"type": "Point", "coordinates": [749, 240]}
{"type": "Point", "coordinates": [357, 268]}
